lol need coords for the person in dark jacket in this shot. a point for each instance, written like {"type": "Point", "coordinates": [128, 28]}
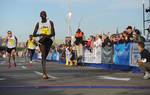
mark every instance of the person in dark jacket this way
{"type": "Point", "coordinates": [144, 62]}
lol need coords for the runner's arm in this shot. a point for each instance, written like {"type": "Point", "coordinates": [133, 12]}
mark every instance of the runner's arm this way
{"type": "Point", "coordinates": [52, 29]}
{"type": "Point", "coordinates": [36, 43]}
{"type": "Point", "coordinates": [35, 30]}
{"type": "Point", "coordinates": [16, 41]}
{"type": "Point", "coordinates": [6, 40]}
{"type": "Point", "coordinates": [26, 44]}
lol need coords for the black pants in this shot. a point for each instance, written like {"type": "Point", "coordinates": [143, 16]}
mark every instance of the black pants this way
{"type": "Point", "coordinates": [31, 53]}
{"type": "Point", "coordinates": [9, 50]}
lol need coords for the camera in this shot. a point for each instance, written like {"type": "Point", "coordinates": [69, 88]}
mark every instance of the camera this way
{"type": "Point", "coordinates": [148, 10]}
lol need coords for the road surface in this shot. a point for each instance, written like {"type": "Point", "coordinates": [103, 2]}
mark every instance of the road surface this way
{"type": "Point", "coordinates": [27, 80]}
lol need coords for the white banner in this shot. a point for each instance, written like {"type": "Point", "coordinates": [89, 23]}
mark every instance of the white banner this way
{"type": "Point", "coordinates": [92, 57]}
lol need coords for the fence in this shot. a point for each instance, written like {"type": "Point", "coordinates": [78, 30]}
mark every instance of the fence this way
{"type": "Point", "coordinates": [119, 54]}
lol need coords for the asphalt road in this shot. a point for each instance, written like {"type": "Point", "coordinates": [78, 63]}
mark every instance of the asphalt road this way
{"type": "Point", "coordinates": [27, 80]}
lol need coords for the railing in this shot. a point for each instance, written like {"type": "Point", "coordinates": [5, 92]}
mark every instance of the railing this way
{"type": "Point", "coordinates": [121, 54]}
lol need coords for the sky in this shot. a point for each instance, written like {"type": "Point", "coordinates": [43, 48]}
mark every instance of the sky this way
{"type": "Point", "coordinates": [94, 16]}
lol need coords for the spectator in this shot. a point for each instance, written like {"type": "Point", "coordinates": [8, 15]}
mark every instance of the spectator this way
{"type": "Point", "coordinates": [68, 56]}
{"type": "Point", "coordinates": [113, 39]}
{"type": "Point", "coordinates": [106, 41]}
{"type": "Point", "coordinates": [137, 36]}
{"type": "Point", "coordinates": [121, 38]}
{"type": "Point", "coordinates": [98, 41]}
{"type": "Point", "coordinates": [126, 37]}
{"type": "Point", "coordinates": [73, 59]}
{"type": "Point", "coordinates": [97, 44]}
{"type": "Point", "coordinates": [79, 36]}
{"type": "Point", "coordinates": [130, 33]}
{"type": "Point", "coordinates": [144, 62]}
{"type": "Point", "coordinates": [90, 43]}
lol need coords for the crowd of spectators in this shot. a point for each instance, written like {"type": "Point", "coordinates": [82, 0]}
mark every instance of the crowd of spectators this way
{"type": "Point", "coordinates": [129, 35]}
{"type": "Point", "coordinates": [101, 40]}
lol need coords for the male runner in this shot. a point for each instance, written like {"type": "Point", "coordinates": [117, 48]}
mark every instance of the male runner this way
{"type": "Point", "coordinates": [31, 45]}
{"type": "Point", "coordinates": [11, 43]}
{"type": "Point", "coordinates": [44, 29]}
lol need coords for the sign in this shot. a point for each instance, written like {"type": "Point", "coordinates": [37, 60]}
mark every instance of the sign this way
{"type": "Point", "coordinates": [92, 57]}
{"type": "Point", "coordinates": [122, 54]}
{"type": "Point", "coordinates": [107, 55]}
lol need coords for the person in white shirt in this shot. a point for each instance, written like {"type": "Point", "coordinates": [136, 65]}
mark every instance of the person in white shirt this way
{"type": "Point", "coordinates": [97, 44]}
{"type": "Point", "coordinates": [11, 43]}
{"type": "Point", "coordinates": [68, 56]}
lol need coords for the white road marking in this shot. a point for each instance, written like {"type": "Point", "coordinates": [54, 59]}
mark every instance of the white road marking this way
{"type": "Point", "coordinates": [19, 64]}
{"type": "Point", "coordinates": [2, 62]}
{"type": "Point", "coordinates": [113, 78]}
{"type": "Point", "coordinates": [39, 73]}
{"type": "Point", "coordinates": [23, 67]}
{"type": "Point", "coordinates": [2, 79]}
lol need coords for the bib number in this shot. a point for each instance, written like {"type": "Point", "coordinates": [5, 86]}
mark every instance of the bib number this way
{"type": "Point", "coordinates": [45, 31]}
{"type": "Point", "coordinates": [12, 42]}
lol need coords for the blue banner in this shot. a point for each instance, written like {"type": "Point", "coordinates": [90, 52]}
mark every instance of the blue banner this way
{"type": "Point", "coordinates": [122, 54]}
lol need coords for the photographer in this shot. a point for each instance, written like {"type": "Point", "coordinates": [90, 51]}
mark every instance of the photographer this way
{"type": "Point", "coordinates": [144, 62]}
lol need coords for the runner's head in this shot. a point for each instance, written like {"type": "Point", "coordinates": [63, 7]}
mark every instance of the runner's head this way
{"type": "Point", "coordinates": [43, 15]}
{"type": "Point", "coordinates": [30, 37]}
{"type": "Point", "coordinates": [9, 33]}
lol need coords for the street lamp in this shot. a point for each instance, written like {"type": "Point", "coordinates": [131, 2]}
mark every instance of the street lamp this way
{"type": "Point", "coordinates": [143, 17]}
{"type": "Point", "coordinates": [69, 17]}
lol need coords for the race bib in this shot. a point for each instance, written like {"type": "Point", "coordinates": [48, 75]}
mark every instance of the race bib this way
{"type": "Point", "coordinates": [12, 42]}
{"type": "Point", "coordinates": [45, 31]}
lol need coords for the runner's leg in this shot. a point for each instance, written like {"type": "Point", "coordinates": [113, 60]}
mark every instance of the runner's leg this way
{"type": "Point", "coordinates": [31, 55]}
{"type": "Point", "coordinates": [9, 58]}
{"type": "Point", "coordinates": [13, 53]}
{"type": "Point", "coordinates": [43, 61]}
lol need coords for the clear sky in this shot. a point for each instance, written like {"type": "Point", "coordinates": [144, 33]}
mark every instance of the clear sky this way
{"type": "Point", "coordinates": [98, 16]}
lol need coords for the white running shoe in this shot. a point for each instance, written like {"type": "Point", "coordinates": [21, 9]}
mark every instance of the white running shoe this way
{"type": "Point", "coordinates": [30, 62]}
{"type": "Point", "coordinates": [147, 75]}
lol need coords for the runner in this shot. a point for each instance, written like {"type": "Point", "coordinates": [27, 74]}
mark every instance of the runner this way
{"type": "Point", "coordinates": [46, 31]}
{"type": "Point", "coordinates": [31, 45]}
{"type": "Point", "coordinates": [11, 43]}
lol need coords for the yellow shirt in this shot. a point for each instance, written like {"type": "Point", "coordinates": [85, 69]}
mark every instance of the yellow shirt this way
{"type": "Point", "coordinates": [31, 44]}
